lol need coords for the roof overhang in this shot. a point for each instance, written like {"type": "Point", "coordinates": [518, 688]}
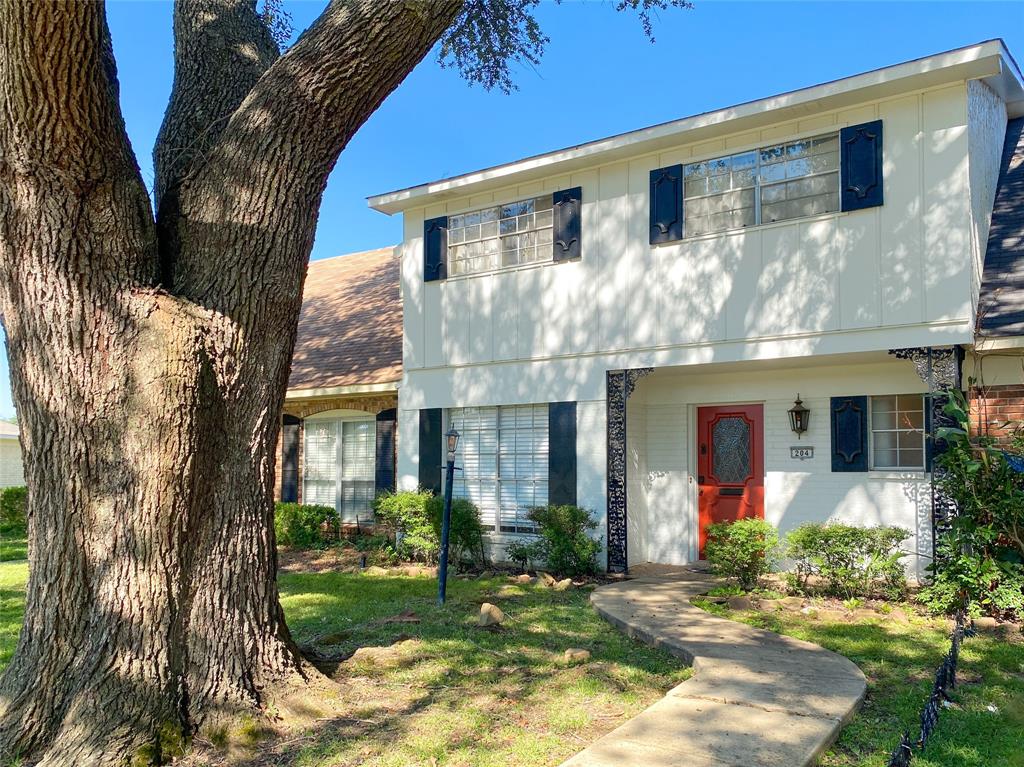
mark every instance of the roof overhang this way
{"type": "Point", "coordinates": [355, 390]}
{"type": "Point", "coordinates": [989, 61]}
{"type": "Point", "coordinates": [999, 343]}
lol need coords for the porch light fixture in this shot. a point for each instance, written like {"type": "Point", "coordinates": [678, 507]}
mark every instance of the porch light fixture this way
{"type": "Point", "coordinates": [453, 442]}
{"type": "Point", "coordinates": [799, 417]}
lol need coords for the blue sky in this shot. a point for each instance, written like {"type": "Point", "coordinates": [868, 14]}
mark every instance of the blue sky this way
{"type": "Point", "coordinates": [600, 76]}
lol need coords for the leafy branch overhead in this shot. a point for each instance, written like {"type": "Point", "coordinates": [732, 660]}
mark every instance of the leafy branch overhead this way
{"type": "Point", "coordinates": [488, 36]}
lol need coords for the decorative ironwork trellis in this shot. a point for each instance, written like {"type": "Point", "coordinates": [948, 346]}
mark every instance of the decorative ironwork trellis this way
{"type": "Point", "coordinates": [620, 385]}
{"type": "Point", "coordinates": [940, 369]}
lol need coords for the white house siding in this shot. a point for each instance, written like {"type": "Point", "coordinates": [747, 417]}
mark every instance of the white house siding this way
{"type": "Point", "coordinates": [795, 491]}
{"type": "Point", "coordinates": [11, 470]}
{"type": "Point", "coordinates": [905, 264]}
{"type": "Point", "coordinates": [755, 315]}
{"type": "Point", "coordinates": [986, 131]}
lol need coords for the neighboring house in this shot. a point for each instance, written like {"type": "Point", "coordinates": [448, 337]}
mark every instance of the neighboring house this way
{"type": "Point", "coordinates": [338, 429]}
{"type": "Point", "coordinates": [11, 471]}
{"type": "Point", "coordinates": [998, 370]}
{"type": "Point", "coordinates": [626, 323]}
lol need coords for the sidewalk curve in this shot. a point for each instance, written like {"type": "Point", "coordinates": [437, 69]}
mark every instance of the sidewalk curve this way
{"type": "Point", "coordinates": [756, 699]}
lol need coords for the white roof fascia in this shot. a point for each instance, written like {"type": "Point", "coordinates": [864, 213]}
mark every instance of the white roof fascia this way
{"type": "Point", "coordinates": [990, 61]}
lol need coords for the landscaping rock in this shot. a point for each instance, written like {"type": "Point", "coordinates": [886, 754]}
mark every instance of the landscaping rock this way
{"type": "Point", "coordinates": [810, 611]}
{"type": "Point", "coordinates": [563, 585]}
{"type": "Point", "coordinates": [741, 602]}
{"type": "Point", "coordinates": [490, 615]}
{"type": "Point", "coordinates": [792, 603]}
{"type": "Point", "coordinates": [834, 616]}
{"type": "Point", "coordinates": [380, 657]}
{"type": "Point", "coordinates": [770, 604]}
{"type": "Point", "coordinates": [575, 655]}
{"type": "Point", "coordinates": [986, 623]}
{"type": "Point", "coordinates": [546, 580]}
{"type": "Point", "coordinates": [376, 571]}
{"type": "Point", "coordinates": [524, 578]}
{"type": "Point", "coordinates": [486, 574]}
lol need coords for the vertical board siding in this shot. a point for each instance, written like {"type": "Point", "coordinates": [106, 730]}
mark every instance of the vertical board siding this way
{"type": "Point", "coordinates": [903, 263]}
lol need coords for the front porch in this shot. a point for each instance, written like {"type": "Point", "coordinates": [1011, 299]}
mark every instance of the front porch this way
{"type": "Point", "coordinates": [668, 477]}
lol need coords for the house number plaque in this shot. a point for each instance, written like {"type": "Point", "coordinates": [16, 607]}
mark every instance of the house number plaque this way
{"type": "Point", "coordinates": [801, 453]}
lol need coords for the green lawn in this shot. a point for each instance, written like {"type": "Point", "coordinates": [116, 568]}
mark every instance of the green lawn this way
{"type": "Point", "coordinates": [13, 543]}
{"type": "Point", "coordinates": [900, 660]}
{"type": "Point", "coordinates": [454, 694]}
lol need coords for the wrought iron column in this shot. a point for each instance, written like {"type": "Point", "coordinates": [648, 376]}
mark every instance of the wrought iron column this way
{"type": "Point", "coordinates": [620, 385]}
{"type": "Point", "coordinates": [940, 368]}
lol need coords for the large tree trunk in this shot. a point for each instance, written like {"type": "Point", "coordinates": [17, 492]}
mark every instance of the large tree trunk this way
{"type": "Point", "coordinates": [149, 358]}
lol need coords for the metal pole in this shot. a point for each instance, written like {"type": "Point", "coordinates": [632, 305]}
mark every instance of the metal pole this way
{"type": "Point", "coordinates": [446, 523]}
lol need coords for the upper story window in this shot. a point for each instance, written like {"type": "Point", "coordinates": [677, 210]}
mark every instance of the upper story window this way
{"type": "Point", "coordinates": [776, 183]}
{"type": "Point", "coordinates": [500, 236]}
{"type": "Point", "coordinates": [897, 432]}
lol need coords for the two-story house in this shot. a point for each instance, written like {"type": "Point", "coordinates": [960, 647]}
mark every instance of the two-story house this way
{"type": "Point", "coordinates": [628, 324]}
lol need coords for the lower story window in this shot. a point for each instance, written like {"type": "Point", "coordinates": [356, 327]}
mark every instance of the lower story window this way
{"type": "Point", "coordinates": [897, 432]}
{"type": "Point", "coordinates": [339, 466]}
{"type": "Point", "coordinates": [503, 452]}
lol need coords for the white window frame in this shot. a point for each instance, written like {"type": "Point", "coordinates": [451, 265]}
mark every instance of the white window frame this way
{"type": "Point", "coordinates": [898, 430]}
{"type": "Point", "coordinates": [759, 185]}
{"type": "Point", "coordinates": [542, 237]}
{"type": "Point", "coordinates": [521, 524]}
{"type": "Point", "coordinates": [358, 516]}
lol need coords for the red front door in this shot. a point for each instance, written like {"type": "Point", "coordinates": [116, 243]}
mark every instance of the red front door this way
{"type": "Point", "coordinates": [730, 464]}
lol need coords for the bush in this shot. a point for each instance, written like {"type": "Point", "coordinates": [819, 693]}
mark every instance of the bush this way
{"type": "Point", "coordinates": [564, 545]}
{"type": "Point", "coordinates": [744, 550]}
{"type": "Point", "coordinates": [14, 506]}
{"type": "Point", "coordinates": [466, 536]}
{"type": "Point", "coordinates": [979, 565]}
{"type": "Point", "coordinates": [305, 526]}
{"type": "Point", "coordinates": [407, 514]}
{"type": "Point", "coordinates": [852, 562]}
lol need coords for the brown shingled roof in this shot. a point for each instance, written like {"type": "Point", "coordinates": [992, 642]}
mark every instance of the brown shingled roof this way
{"type": "Point", "coordinates": [1002, 285]}
{"type": "Point", "coordinates": [350, 328]}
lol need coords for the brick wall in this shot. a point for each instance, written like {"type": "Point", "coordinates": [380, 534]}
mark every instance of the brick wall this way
{"type": "Point", "coordinates": [997, 410]}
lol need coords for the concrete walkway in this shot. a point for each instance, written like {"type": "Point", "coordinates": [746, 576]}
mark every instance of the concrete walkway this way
{"type": "Point", "coordinates": [756, 699]}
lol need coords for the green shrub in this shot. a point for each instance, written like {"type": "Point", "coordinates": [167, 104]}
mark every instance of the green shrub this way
{"type": "Point", "coordinates": [852, 562]}
{"type": "Point", "coordinates": [408, 516]}
{"type": "Point", "coordinates": [466, 536]}
{"type": "Point", "coordinates": [564, 545]}
{"type": "Point", "coordinates": [979, 564]}
{"type": "Point", "coordinates": [744, 550]}
{"type": "Point", "coordinates": [14, 506]}
{"type": "Point", "coordinates": [305, 526]}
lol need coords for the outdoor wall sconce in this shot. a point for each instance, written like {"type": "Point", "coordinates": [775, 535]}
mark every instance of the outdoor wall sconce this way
{"type": "Point", "coordinates": [799, 417]}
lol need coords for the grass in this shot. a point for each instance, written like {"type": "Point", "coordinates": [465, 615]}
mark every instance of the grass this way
{"type": "Point", "coordinates": [900, 660]}
{"type": "Point", "coordinates": [13, 543]}
{"type": "Point", "coordinates": [452, 693]}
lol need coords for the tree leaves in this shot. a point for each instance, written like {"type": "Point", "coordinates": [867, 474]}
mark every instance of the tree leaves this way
{"type": "Point", "coordinates": [490, 35]}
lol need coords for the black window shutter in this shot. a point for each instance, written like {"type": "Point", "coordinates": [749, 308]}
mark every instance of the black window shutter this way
{"type": "Point", "coordinates": [860, 149]}
{"type": "Point", "coordinates": [666, 200]}
{"type": "Point", "coordinates": [435, 249]}
{"type": "Point", "coordinates": [849, 433]}
{"type": "Point", "coordinates": [291, 431]}
{"type": "Point", "coordinates": [384, 456]}
{"type": "Point", "coordinates": [567, 216]}
{"type": "Point", "coordinates": [562, 453]}
{"type": "Point", "coordinates": [430, 450]}
{"type": "Point", "coordinates": [930, 445]}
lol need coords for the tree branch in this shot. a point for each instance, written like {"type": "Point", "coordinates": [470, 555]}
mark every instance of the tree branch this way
{"type": "Point", "coordinates": [62, 136]}
{"type": "Point", "coordinates": [221, 49]}
{"type": "Point", "coordinates": [282, 142]}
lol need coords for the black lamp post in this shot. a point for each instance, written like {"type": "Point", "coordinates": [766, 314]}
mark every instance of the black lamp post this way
{"type": "Point", "coordinates": [799, 417]}
{"type": "Point", "coordinates": [452, 438]}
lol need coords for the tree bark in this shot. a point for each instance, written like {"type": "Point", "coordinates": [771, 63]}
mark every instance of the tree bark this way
{"type": "Point", "coordinates": [149, 358]}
